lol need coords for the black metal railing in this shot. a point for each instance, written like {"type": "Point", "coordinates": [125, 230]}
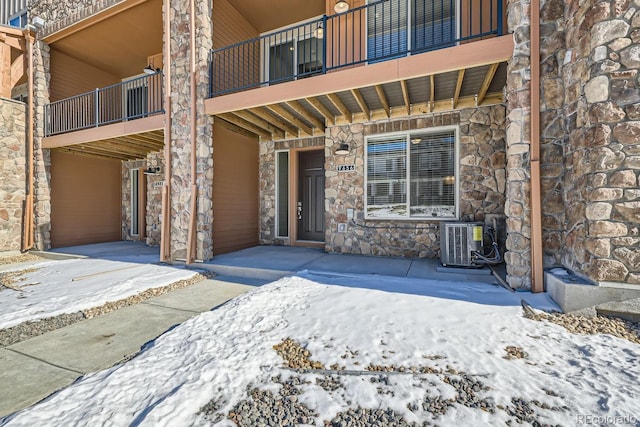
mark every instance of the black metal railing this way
{"type": "Point", "coordinates": [379, 31]}
{"type": "Point", "coordinates": [129, 100]}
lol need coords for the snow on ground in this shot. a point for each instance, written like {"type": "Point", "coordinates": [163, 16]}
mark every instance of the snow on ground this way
{"type": "Point", "coordinates": [50, 288]}
{"type": "Point", "coordinates": [451, 328]}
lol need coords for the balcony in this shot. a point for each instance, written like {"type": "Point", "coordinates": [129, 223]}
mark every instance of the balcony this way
{"type": "Point", "coordinates": [370, 34]}
{"type": "Point", "coordinates": [124, 121]}
{"type": "Point", "coordinates": [388, 59]}
{"type": "Point", "coordinates": [132, 99]}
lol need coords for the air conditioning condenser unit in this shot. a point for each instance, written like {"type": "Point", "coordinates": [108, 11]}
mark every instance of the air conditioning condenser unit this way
{"type": "Point", "coordinates": [460, 242]}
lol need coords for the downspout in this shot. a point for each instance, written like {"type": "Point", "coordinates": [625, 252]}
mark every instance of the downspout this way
{"type": "Point", "coordinates": [27, 212]}
{"type": "Point", "coordinates": [191, 244]}
{"type": "Point", "coordinates": [165, 229]}
{"type": "Point", "coordinates": [537, 262]}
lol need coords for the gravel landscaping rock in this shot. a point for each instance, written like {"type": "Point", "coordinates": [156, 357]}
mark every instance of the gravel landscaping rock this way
{"type": "Point", "coordinates": [263, 408]}
{"type": "Point", "coordinates": [578, 324]}
{"type": "Point", "coordinates": [19, 258]}
{"type": "Point", "coordinates": [9, 279]}
{"type": "Point", "coordinates": [368, 417]}
{"type": "Point", "coordinates": [296, 356]}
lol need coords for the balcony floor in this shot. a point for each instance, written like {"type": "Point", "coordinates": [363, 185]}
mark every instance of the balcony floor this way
{"type": "Point", "coordinates": [128, 140]}
{"type": "Point", "coordinates": [463, 76]}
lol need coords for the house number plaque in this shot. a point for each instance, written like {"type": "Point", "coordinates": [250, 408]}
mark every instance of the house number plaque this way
{"type": "Point", "coordinates": [346, 168]}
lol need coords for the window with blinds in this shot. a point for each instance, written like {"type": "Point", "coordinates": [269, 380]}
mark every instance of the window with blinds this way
{"type": "Point", "coordinates": [412, 175]}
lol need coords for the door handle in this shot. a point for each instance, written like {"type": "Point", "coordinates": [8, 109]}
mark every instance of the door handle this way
{"type": "Point", "coordinates": [299, 210]}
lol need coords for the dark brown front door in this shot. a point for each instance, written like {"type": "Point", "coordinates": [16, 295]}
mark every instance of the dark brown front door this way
{"type": "Point", "coordinates": [311, 196]}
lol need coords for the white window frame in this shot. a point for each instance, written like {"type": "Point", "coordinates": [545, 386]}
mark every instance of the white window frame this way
{"type": "Point", "coordinates": [268, 42]}
{"type": "Point", "coordinates": [277, 194]}
{"type": "Point", "coordinates": [407, 136]}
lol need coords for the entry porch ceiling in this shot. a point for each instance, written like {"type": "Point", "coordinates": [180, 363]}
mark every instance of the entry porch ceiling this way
{"type": "Point", "coordinates": [302, 109]}
{"type": "Point", "coordinates": [128, 147]}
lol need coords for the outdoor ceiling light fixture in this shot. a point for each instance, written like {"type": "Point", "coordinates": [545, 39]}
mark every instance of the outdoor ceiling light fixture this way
{"type": "Point", "coordinates": [342, 149]}
{"type": "Point", "coordinates": [319, 32]}
{"type": "Point", "coordinates": [341, 6]}
{"type": "Point", "coordinates": [150, 70]}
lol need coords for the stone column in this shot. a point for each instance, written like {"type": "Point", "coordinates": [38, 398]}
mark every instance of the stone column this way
{"type": "Point", "coordinates": [518, 95]}
{"type": "Point", "coordinates": [42, 157]}
{"type": "Point", "coordinates": [552, 129]}
{"type": "Point", "coordinates": [181, 129]}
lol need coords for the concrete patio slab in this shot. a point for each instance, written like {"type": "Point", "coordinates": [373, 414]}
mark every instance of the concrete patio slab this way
{"type": "Point", "coordinates": [359, 264]}
{"type": "Point", "coordinates": [425, 268]}
{"type": "Point", "coordinates": [133, 251]}
{"type": "Point", "coordinates": [283, 258]}
{"type": "Point", "coordinates": [202, 296]}
{"type": "Point", "coordinates": [26, 381]}
{"type": "Point", "coordinates": [103, 341]}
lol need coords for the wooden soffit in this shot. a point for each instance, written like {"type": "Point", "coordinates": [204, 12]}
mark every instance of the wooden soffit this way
{"type": "Point", "coordinates": [122, 141]}
{"type": "Point", "coordinates": [463, 76]}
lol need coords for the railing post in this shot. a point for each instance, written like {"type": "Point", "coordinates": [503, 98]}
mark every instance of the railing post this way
{"type": "Point", "coordinates": [97, 106]}
{"type": "Point", "coordinates": [500, 18]}
{"type": "Point", "coordinates": [324, 44]}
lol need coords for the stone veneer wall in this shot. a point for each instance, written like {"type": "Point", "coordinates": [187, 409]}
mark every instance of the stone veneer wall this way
{"type": "Point", "coordinates": [154, 198]}
{"type": "Point", "coordinates": [12, 173]}
{"type": "Point", "coordinates": [153, 207]}
{"type": "Point", "coordinates": [42, 160]}
{"type": "Point", "coordinates": [518, 95]}
{"type": "Point", "coordinates": [181, 130]}
{"type": "Point", "coordinates": [60, 14]}
{"type": "Point", "coordinates": [606, 154]}
{"type": "Point", "coordinates": [267, 176]}
{"type": "Point", "coordinates": [553, 139]}
{"type": "Point", "coordinates": [482, 183]}
{"type": "Point", "coordinates": [125, 216]}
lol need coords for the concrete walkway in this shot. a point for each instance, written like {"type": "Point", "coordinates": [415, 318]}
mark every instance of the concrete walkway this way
{"type": "Point", "coordinates": [33, 369]}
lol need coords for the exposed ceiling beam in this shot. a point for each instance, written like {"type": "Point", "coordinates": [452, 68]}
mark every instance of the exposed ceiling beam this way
{"type": "Point", "coordinates": [361, 103]}
{"type": "Point", "coordinates": [335, 100]}
{"type": "Point", "coordinates": [73, 150]}
{"type": "Point", "coordinates": [383, 99]}
{"type": "Point", "coordinates": [488, 78]}
{"type": "Point", "coordinates": [245, 125]}
{"type": "Point", "coordinates": [458, 88]}
{"type": "Point", "coordinates": [261, 123]}
{"type": "Point", "coordinates": [320, 108]}
{"type": "Point", "coordinates": [298, 108]}
{"type": "Point", "coordinates": [234, 128]}
{"type": "Point", "coordinates": [405, 96]}
{"type": "Point", "coordinates": [290, 117]}
{"type": "Point", "coordinates": [282, 124]}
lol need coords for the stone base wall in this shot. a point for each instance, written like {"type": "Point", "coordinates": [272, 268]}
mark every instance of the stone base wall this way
{"type": "Point", "coordinates": [153, 208]}
{"type": "Point", "coordinates": [267, 175]}
{"type": "Point", "coordinates": [42, 160]}
{"type": "Point", "coordinates": [482, 183]}
{"type": "Point", "coordinates": [154, 199]}
{"type": "Point", "coordinates": [606, 159]}
{"type": "Point", "coordinates": [127, 167]}
{"type": "Point", "coordinates": [12, 173]}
